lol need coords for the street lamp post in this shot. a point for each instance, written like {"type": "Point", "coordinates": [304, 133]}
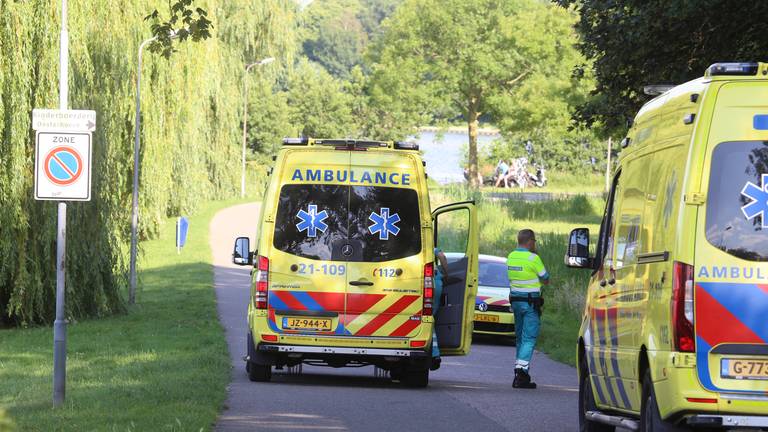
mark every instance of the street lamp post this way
{"type": "Point", "coordinates": [245, 115]}
{"type": "Point", "coordinates": [136, 148]}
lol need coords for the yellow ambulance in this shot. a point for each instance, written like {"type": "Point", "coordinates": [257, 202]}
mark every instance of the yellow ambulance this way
{"type": "Point", "coordinates": [344, 263]}
{"type": "Point", "coordinates": [675, 331]}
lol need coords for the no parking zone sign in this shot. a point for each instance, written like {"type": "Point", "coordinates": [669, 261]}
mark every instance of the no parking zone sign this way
{"type": "Point", "coordinates": [63, 166]}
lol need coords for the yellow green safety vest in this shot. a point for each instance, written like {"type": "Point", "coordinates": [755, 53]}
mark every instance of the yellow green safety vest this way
{"type": "Point", "coordinates": [526, 271]}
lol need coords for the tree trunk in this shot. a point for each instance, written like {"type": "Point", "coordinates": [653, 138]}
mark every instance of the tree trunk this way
{"type": "Point", "coordinates": [472, 123]}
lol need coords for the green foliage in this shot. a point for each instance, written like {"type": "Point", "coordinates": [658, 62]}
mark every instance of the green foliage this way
{"type": "Point", "coordinates": [190, 145]}
{"type": "Point", "coordinates": [184, 23]}
{"type": "Point", "coordinates": [269, 119]}
{"type": "Point", "coordinates": [480, 57]}
{"type": "Point", "coordinates": [634, 43]}
{"type": "Point", "coordinates": [337, 32]}
{"type": "Point", "coordinates": [313, 103]}
{"type": "Point", "coordinates": [318, 104]}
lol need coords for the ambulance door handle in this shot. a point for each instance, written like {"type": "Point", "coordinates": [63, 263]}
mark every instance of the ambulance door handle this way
{"type": "Point", "coordinates": [361, 283]}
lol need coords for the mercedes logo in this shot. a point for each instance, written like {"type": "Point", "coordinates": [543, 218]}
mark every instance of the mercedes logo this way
{"type": "Point", "coordinates": [482, 307]}
{"type": "Point", "coordinates": [346, 250]}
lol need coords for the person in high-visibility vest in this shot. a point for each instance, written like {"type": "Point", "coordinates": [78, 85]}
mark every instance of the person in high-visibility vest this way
{"type": "Point", "coordinates": [527, 274]}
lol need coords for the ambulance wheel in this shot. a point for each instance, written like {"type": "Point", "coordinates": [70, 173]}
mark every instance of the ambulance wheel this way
{"type": "Point", "coordinates": [258, 372]}
{"type": "Point", "coordinates": [416, 378]}
{"type": "Point", "coordinates": [650, 419]}
{"type": "Point", "coordinates": [587, 403]}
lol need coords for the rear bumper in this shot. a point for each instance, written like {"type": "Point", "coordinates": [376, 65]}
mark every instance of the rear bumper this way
{"type": "Point", "coordinates": [708, 420]}
{"type": "Point", "coordinates": [679, 395]}
{"type": "Point", "coordinates": [357, 352]}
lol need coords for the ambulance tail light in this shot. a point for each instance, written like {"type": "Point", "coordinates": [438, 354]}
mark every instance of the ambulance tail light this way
{"type": "Point", "coordinates": [262, 283]}
{"type": "Point", "coordinates": [682, 307]}
{"type": "Point", "coordinates": [429, 289]}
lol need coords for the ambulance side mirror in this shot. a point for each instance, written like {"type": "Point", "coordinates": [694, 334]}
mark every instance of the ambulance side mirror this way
{"type": "Point", "coordinates": [578, 249]}
{"type": "Point", "coordinates": [242, 253]}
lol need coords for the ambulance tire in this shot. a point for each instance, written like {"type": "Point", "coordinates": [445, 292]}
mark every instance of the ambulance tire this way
{"type": "Point", "coordinates": [416, 378]}
{"type": "Point", "coordinates": [587, 403]}
{"type": "Point", "coordinates": [256, 372]}
{"type": "Point", "coordinates": [650, 418]}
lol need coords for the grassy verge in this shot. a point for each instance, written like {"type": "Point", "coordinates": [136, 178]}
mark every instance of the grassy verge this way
{"type": "Point", "coordinates": [163, 366]}
{"type": "Point", "coordinates": [501, 219]}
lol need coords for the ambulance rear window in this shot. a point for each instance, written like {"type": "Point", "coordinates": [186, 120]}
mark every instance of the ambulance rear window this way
{"type": "Point", "coordinates": [311, 219]}
{"type": "Point", "coordinates": [318, 221]}
{"type": "Point", "coordinates": [385, 221]}
{"type": "Point", "coordinates": [737, 201]}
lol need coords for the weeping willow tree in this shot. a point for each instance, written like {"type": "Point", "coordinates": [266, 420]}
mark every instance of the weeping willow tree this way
{"type": "Point", "coordinates": [190, 136]}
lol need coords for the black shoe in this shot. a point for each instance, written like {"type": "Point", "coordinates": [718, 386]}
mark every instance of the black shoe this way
{"type": "Point", "coordinates": [435, 363]}
{"type": "Point", "coordinates": [523, 380]}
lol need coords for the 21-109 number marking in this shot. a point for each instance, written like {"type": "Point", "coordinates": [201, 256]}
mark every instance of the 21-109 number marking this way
{"type": "Point", "coordinates": [324, 269]}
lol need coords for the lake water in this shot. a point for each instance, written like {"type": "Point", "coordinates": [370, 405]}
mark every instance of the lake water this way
{"type": "Point", "coordinates": [444, 157]}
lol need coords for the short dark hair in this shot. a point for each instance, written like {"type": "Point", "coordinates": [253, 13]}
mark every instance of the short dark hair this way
{"type": "Point", "coordinates": [524, 236]}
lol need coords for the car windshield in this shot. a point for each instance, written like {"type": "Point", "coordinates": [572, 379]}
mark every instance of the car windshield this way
{"type": "Point", "coordinates": [493, 274]}
{"type": "Point", "coordinates": [737, 204]}
{"type": "Point", "coordinates": [316, 221]}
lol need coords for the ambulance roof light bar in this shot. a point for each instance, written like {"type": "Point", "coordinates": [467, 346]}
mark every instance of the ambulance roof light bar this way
{"type": "Point", "coordinates": [657, 89]}
{"type": "Point", "coordinates": [404, 145]}
{"type": "Point", "coordinates": [733, 69]}
{"type": "Point", "coordinates": [351, 143]}
{"type": "Point", "coordinates": [296, 141]}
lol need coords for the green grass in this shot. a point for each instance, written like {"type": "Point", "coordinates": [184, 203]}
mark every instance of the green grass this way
{"type": "Point", "coordinates": [500, 220]}
{"type": "Point", "coordinates": [162, 366]}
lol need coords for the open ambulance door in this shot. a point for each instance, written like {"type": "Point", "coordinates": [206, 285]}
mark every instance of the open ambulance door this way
{"type": "Point", "coordinates": [455, 231]}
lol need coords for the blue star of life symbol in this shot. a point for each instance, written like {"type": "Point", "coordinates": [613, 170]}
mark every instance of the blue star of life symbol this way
{"type": "Point", "coordinates": [312, 222]}
{"type": "Point", "coordinates": [759, 204]}
{"type": "Point", "coordinates": [384, 224]}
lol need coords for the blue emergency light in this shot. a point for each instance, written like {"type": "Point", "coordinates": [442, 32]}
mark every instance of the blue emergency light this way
{"type": "Point", "coordinates": [733, 69]}
{"type": "Point", "coordinates": [760, 121]}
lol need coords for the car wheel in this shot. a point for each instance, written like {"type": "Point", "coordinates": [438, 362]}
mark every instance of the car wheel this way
{"type": "Point", "coordinates": [416, 378]}
{"type": "Point", "coordinates": [256, 372]}
{"type": "Point", "coordinates": [587, 403]}
{"type": "Point", "coordinates": [650, 419]}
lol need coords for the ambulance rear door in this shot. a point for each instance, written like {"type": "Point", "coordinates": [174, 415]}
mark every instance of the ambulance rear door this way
{"type": "Point", "coordinates": [385, 274]}
{"type": "Point", "coordinates": [308, 272]}
{"type": "Point", "coordinates": [455, 231]}
{"type": "Point", "coordinates": [729, 279]}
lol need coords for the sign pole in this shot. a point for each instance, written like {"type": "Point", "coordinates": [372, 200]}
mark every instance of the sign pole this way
{"type": "Point", "coordinates": [608, 167]}
{"type": "Point", "coordinates": [60, 325]}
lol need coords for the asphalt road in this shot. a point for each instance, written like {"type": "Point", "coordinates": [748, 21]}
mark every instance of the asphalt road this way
{"type": "Point", "coordinates": [471, 393]}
